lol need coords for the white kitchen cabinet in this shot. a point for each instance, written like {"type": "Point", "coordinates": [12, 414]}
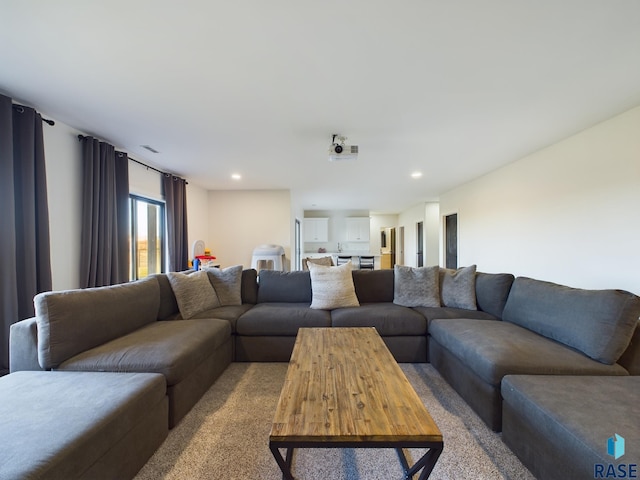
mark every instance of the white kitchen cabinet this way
{"type": "Point", "coordinates": [316, 229]}
{"type": "Point", "coordinates": [358, 229]}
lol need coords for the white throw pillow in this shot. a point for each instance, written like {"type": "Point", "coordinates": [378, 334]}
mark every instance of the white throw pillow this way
{"type": "Point", "coordinates": [194, 293]}
{"type": "Point", "coordinates": [332, 287]}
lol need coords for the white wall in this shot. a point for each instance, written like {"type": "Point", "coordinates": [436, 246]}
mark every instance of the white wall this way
{"type": "Point", "coordinates": [432, 233]}
{"type": "Point", "coordinates": [145, 182]}
{"type": "Point", "coordinates": [427, 213]}
{"type": "Point", "coordinates": [240, 220]}
{"type": "Point", "coordinates": [569, 213]}
{"type": "Point", "coordinates": [64, 190]}
{"type": "Point", "coordinates": [197, 215]}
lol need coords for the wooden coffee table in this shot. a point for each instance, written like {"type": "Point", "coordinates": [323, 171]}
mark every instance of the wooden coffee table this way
{"type": "Point", "coordinates": [344, 389]}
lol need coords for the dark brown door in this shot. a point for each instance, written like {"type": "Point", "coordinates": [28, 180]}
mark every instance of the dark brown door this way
{"type": "Point", "coordinates": [451, 238]}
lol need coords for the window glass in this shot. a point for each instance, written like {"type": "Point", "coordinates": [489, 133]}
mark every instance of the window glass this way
{"type": "Point", "coordinates": [147, 234]}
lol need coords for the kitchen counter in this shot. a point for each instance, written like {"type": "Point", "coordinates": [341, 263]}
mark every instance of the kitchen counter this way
{"type": "Point", "coordinates": [354, 254]}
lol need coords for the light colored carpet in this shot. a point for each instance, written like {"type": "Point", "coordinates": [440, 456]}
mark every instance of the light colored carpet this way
{"type": "Point", "coordinates": [226, 436]}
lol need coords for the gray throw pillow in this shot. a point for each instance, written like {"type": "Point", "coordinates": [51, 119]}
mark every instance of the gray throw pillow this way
{"type": "Point", "coordinates": [458, 287]}
{"type": "Point", "coordinates": [227, 283]}
{"type": "Point", "coordinates": [332, 287]}
{"type": "Point", "coordinates": [416, 286]}
{"type": "Point", "coordinates": [194, 293]}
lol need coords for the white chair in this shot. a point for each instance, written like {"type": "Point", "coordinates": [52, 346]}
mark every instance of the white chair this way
{"type": "Point", "coordinates": [268, 257]}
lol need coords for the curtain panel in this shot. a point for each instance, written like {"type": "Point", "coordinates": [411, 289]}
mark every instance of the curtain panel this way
{"type": "Point", "coordinates": [25, 259]}
{"type": "Point", "coordinates": [104, 249]}
{"type": "Point", "coordinates": [175, 195]}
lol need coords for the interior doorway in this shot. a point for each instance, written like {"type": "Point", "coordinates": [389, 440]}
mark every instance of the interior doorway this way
{"type": "Point", "coordinates": [400, 245]}
{"type": "Point", "coordinates": [451, 240]}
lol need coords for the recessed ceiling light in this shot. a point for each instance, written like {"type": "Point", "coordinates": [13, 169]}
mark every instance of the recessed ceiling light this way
{"type": "Point", "coordinates": [236, 176]}
{"type": "Point", "coordinates": [416, 175]}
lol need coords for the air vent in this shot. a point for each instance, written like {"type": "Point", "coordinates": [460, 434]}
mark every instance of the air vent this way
{"type": "Point", "coordinates": [150, 148]}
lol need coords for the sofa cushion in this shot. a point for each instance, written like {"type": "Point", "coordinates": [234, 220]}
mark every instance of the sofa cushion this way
{"type": "Point", "coordinates": [70, 322]}
{"type": "Point", "coordinates": [227, 283]}
{"type": "Point", "coordinates": [458, 287]}
{"type": "Point", "coordinates": [493, 349]}
{"type": "Point", "coordinates": [332, 287]}
{"type": "Point", "coordinates": [389, 319]}
{"type": "Point", "coordinates": [599, 323]}
{"type": "Point", "coordinates": [434, 313]}
{"type": "Point", "coordinates": [373, 285]}
{"type": "Point", "coordinates": [416, 286]}
{"type": "Point", "coordinates": [249, 286]}
{"type": "Point", "coordinates": [231, 313]}
{"type": "Point", "coordinates": [283, 319]}
{"type": "Point", "coordinates": [173, 349]}
{"type": "Point", "coordinates": [492, 291]}
{"type": "Point", "coordinates": [194, 292]}
{"type": "Point", "coordinates": [290, 287]}
{"type": "Point", "coordinates": [59, 425]}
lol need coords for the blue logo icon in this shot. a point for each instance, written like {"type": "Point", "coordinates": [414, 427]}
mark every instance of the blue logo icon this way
{"type": "Point", "coordinates": [615, 446]}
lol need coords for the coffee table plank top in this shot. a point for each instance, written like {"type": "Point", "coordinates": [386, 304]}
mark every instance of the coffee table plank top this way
{"type": "Point", "coordinates": [343, 385]}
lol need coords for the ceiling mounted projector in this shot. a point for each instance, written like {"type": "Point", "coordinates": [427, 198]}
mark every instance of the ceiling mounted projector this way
{"type": "Point", "coordinates": [338, 151]}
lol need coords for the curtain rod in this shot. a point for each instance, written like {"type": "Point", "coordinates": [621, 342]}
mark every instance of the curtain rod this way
{"type": "Point", "coordinates": [20, 109]}
{"type": "Point", "coordinates": [148, 167]}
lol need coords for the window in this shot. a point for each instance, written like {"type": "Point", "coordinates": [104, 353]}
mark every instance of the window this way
{"type": "Point", "coordinates": [147, 234]}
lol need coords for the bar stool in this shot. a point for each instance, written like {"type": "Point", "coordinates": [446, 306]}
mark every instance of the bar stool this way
{"type": "Point", "coordinates": [366, 262]}
{"type": "Point", "coordinates": [342, 259]}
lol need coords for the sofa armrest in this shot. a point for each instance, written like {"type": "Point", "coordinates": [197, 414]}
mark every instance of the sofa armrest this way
{"type": "Point", "coordinates": [23, 346]}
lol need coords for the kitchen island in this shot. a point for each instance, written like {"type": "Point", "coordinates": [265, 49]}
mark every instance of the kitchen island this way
{"type": "Point", "coordinates": [354, 254]}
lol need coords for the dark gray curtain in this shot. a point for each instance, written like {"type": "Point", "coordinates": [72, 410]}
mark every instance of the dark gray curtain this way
{"type": "Point", "coordinates": [104, 249]}
{"type": "Point", "coordinates": [25, 266]}
{"type": "Point", "coordinates": [175, 195]}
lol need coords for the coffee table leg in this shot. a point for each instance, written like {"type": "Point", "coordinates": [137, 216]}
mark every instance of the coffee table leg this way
{"type": "Point", "coordinates": [426, 463]}
{"type": "Point", "coordinates": [284, 464]}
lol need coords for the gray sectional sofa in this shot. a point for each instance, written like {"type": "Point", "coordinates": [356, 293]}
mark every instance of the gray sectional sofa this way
{"type": "Point", "coordinates": [505, 327]}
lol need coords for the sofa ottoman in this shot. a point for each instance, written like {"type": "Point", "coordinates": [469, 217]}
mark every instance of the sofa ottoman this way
{"type": "Point", "coordinates": [560, 426]}
{"type": "Point", "coordinates": [74, 425]}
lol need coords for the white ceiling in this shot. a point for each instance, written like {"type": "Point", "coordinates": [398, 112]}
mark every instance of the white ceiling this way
{"type": "Point", "coordinates": [453, 89]}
